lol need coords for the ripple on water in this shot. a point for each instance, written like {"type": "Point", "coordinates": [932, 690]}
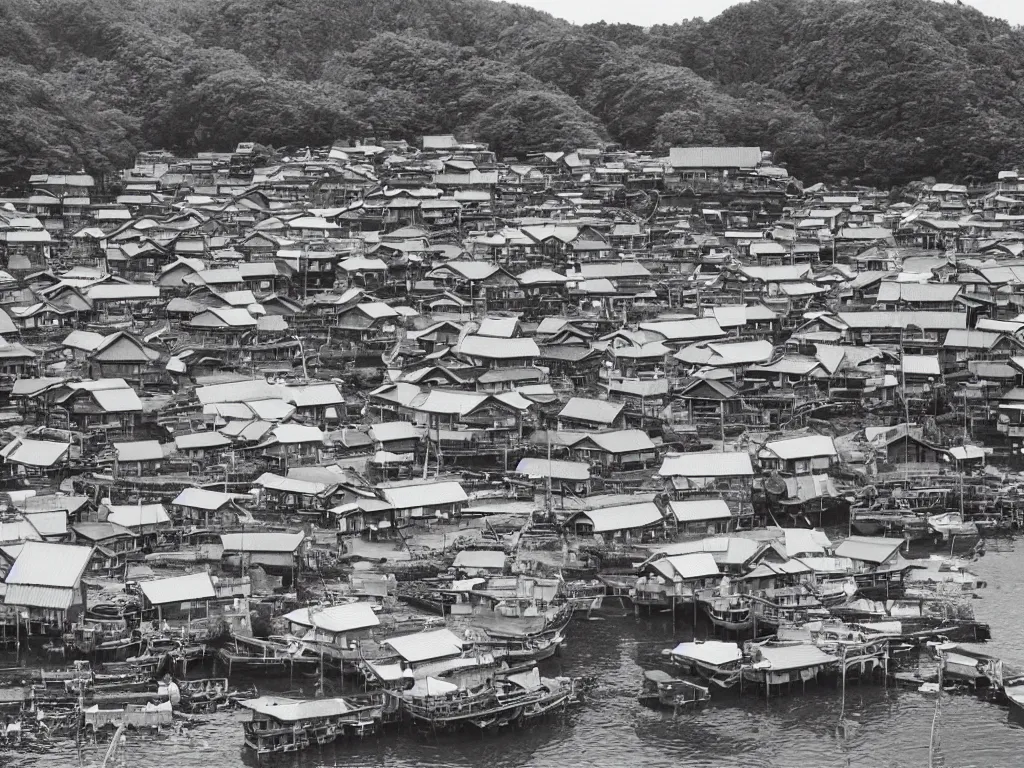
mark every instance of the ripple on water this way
{"type": "Point", "coordinates": [886, 728]}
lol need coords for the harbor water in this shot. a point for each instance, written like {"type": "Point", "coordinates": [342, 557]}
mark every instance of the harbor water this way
{"type": "Point", "coordinates": [883, 727]}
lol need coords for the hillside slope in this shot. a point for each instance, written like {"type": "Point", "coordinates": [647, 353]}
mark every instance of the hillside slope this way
{"type": "Point", "coordinates": [876, 90]}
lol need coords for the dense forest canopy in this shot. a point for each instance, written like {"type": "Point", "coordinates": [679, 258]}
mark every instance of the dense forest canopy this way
{"type": "Point", "coordinates": [879, 91]}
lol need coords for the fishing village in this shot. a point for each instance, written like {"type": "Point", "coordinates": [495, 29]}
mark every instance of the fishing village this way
{"type": "Point", "coordinates": [359, 439]}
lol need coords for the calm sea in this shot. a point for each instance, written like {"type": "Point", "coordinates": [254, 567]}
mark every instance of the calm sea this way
{"type": "Point", "coordinates": [885, 727]}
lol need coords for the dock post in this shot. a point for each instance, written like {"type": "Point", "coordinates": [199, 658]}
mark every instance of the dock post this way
{"type": "Point", "coordinates": [673, 617]}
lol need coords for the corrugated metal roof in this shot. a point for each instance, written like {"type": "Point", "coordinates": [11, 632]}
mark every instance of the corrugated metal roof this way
{"type": "Point", "coordinates": [425, 646]}
{"type": "Point", "coordinates": [49, 565]}
{"type": "Point", "coordinates": [179, 589]}
{"type": "Point", "coordinates": [31, 596]}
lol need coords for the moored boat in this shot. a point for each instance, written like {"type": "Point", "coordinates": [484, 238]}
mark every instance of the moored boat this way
{"type": "Point", "coordinates": [712, 660]}
{"type": "Point", "coordinates": [661, 689]}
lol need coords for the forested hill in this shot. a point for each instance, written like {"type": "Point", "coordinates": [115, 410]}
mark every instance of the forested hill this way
{"type": "Point", "coordinates": [876, 90]}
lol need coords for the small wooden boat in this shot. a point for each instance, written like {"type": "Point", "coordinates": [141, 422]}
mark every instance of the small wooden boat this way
{"type": "Point", "coordinates": [661, 689]}
{"type": "Point", "coordinates": [1013, 689]}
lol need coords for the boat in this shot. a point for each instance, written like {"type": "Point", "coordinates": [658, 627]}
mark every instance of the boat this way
{"type": "Point", "coordinates": [514, 697]}
{"type": "Point", "coordinates": [712, 660]}
{"type": "Point", "coordinates": [731, 612]}
{"type": "Point", "coordinates": [787, 605]}
{"type": "Point", "coordinates": [1013, 689]}
{"type": "Point", "coordinates": [661, 689]}
{"type": "Point", "coordinates": [210, 694]}
{"type": "Point", "coordinates": [272, 654]}
{"type": "Point", "coordinates": [281, 724]}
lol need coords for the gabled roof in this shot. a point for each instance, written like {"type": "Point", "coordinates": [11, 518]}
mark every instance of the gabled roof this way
{"type": "Point", "coordinates": [594, 411]}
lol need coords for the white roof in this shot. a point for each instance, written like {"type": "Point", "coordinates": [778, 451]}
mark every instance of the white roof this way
{"type": "Point", "coordinates": [801, 447]}
{"type": "Point", "coordinates": [136, 515]}
{"type": "Point", "coordinates": [624, 517]}
{"type": "Point", "coordinates": [425, 495]}
{"type": "Point", "coordinates": [195, 440]}
{"type": "Point", "coordinates": [492, 348]}
{"type": "Point", "coordinates": [695, 565]}
{"type": "Point", "coordinates": [297, 433]}
{"type": "Point", "coordinates": [201, 498]}
{"type": "Point", "coordinates": [292, 710]}
{"type": "Point", "coordinates": [491, 559]}
{"type": "Point", "coordinates": [868, 549]}
{"type": "Point", "coordinates": [262, 542]}
{"type": "Point", "coordinates": [923, 365]}
{"type": "Point", "coordinates": [713, 652]}
{"type": "Point", "coordinates": [49, 565]}
{"type": "Point", "coordinates": [34, 453]}
{"type": "Point", "coordinates": [707, 465]}
{"type": "Point", "coordinates": [426, 646]}
{"type": "Point", "coordinates": [803, 541]}
{"type": "Point", "coordinates": [336, 618]}
{"type": "Point", "coordinates": [179, 589]}
{"type": "Point", "coordinates": [695, 510]}
{"type": "Point", "coordinates": [394, 430]}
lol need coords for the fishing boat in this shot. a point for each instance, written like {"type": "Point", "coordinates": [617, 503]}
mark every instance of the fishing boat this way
{"type": "Point", "coordinates": [496, 702]}
{"type": "Point", "coordinates": [273, 654]}
{"type": "Point", "coordinates": [1013, 689]}
{"type": "Point", "coordinates": [661, 689]}
{"type": "Point", "coordinates": [787, 605]}
{"type": "Point", "coordinates": [282, 724]}
{"type": "Point", "coordinates": [712, 660]}
{"type": "Point", "coordinates": [210, 694]}
{"type": "Point", "coordinates": [730, 612]}
{"type": "Point", "coordinates": [951, 526]}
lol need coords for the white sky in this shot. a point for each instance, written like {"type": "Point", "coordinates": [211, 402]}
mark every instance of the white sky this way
{"type": "Point", "coordinates": [648, 12]}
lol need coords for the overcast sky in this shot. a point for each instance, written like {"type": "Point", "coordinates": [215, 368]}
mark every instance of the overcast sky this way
{"type": "Point", "coordinates": [648, 12]}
